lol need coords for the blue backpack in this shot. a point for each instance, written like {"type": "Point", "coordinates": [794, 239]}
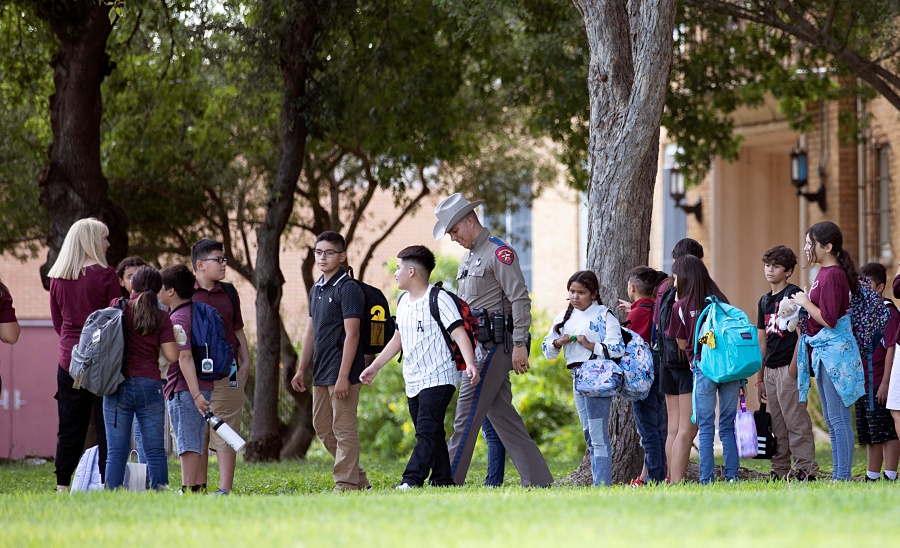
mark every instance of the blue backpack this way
{"type": "Point", "coordinates": [731, 348]}
{"type": "Point", "coordinates": [208, 341]}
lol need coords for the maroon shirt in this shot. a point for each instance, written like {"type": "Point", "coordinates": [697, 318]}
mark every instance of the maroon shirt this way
{"type": "Point", "coordinates": [831, 293]}
{"type": "Point", "coordinates": [72, 301]}
{"type": "Point", "coordinates": [891, 334]}
{"type": "Point", "coordinates": [143, 350]}
{"type": "Point", "coordinates": [641, 317]}
{"type": "Point", "coordinates": [7, 312]}
{"type": "Point", "coordinates": [231, 314]}
{"type": "Point", "coordinates": [175, 381]}
{"type": "Point", "coordinates": [682, 324]}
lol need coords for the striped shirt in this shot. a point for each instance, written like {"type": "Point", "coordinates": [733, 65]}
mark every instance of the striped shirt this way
{"type": "Point", "coordinates": [427, 362]}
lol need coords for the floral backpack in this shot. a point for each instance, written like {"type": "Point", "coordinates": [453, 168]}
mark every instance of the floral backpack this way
{"type": "Point", "coordinates": [868, 316]}
{"type": "Point", "coordinates": [636, 366]}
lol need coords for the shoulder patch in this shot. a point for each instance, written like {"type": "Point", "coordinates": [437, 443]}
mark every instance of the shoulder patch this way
{"type": "Point", "coordinates": [505, 255]}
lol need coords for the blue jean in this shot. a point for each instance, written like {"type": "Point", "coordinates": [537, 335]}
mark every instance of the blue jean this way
{"type": "Point", "coordinates": [705, 392]}
{"type": "Point", "coordinates": [139, 441]}
{"type": "Point", "coordinates": [652, 424]}
{"type": "Point", "coordinates": [496, 455]}
{"type": "Point", "coordinates": [142, 398]}
{"type": "Point", "coordinates": [840, 428]}
{"type": "Point", "coordinates": [594, 416]}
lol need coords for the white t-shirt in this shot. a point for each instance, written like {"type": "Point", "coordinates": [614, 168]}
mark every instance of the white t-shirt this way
{"type": "Point", "coordinates": [427, 361]}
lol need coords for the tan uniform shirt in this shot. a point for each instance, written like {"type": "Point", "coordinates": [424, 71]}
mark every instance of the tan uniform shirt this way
{"type": "Point", "coordinates": [490, 273]}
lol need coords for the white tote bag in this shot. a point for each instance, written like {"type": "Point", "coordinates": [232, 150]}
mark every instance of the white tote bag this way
{"type": "Point", "coordinates": [135, 475]}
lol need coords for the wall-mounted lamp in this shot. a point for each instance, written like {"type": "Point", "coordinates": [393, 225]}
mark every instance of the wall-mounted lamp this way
{"type": "Point", "coordinates": [676, 191]}
{"type": "Point", "coordinates": [800, 177]}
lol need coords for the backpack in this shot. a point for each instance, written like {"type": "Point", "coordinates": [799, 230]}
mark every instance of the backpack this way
{"type": "Point", "coordinates": [208, 341]}
{"type": "Point", "coordinates": [101, 353]}
{"type": "Point", "coordinates": [745, 433]}
{"type": "Point", "coordinates": [766, 444]}
{"type": "Point", "coordinates": [470, 322]}
{"type": "Point", "coordinates": [868, 316]}
{"type": "Point", "coordinates": [636, 366]}
{"type": "Point", "coordinates": [731, 349]}
{"type": "Point", "coordinates": [669, 353]}
{"type": "Point", "coordinates": [377, 326]}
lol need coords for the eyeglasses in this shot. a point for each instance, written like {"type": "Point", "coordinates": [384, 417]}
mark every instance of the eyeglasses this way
{"type": "Point", "coordinates": [220, 260]}
{"type": "Point", "coordinates": [329, 253]}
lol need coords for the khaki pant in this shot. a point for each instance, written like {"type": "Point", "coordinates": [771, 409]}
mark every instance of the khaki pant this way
{"type": "Point", "coordinates": [227, 404]}
{"type": "Point", "coordinates": [335, 424]}
{"type": "Point", "coordinates": [790, 424]}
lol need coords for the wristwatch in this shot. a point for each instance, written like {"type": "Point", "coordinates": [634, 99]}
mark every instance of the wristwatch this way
{"type": "Point", "coordinates": [519, 343]}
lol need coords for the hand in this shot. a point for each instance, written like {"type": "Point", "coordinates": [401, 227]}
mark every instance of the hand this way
{"type": "Point", "coordinates": [761, 392]}
{"type": "Point", "coordinates": [472, 373]}
{"type": "Point", "coordinates": [201, 403]}
{"type": "Point", "coordinates": [297, 382]}
{"type": "Point", "coordinates": [520, 359]}
{"type": "Point", "coordinates": [342, 388]}
{"type": "Point", "coordinates": [243, 375]}
{"type": "Point", "coordinates": [583, 341]}
{"type": "Point", "coordinates": [800, 298]}
{"type": "Point", "coordinates": [881, 394]}
{"type": "Point", "coordinates": [368, 375]}
{"type": "Point", "coordinates": [561, 341]}
{"type": "Point", "coordinates": [624, 306]}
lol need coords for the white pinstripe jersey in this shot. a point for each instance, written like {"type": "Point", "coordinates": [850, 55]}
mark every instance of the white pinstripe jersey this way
{"type": "Point", "coordinates": [427, 362]}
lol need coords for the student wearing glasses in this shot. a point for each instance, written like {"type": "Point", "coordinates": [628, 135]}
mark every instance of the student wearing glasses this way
{"type": "Point", "coordinates": [331, 343]}
{"type": "Point", "coordinates": [208, 261]}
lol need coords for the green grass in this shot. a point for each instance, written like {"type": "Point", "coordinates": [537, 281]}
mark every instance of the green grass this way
{"type": "Point", "coordinates": [307, 513]}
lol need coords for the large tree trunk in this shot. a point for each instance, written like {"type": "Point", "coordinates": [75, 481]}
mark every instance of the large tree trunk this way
{"type": "Point", "coordinates": [72, 184]}
{"type": "Point", "coordinates": [301, 25]}
{"type": "Point", "coordinates": [631, 54]}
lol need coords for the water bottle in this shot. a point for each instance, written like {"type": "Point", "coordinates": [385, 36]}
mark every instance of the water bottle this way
{"type": "Point", "coordinates": [231, 437]}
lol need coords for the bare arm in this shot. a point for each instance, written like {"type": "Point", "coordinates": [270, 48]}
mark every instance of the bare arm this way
{"type": "Point", "coordinates": [243, 356]}
{"type": "Point", "coordinates": [802, 299]}
{"type": "Point", "coordinates": [306, 354]}
{"type": "Point", "coordinates": [465, 347]}
{"type": "Point", "coordinates": [170, 351]}
{"type": "Point", "coordinates": [189, 370]}
{"type": "Point", "coordinates": [351, 342]}
{"type": "Point", "coordinates": [9, 332]}
{"type": "Point", "coordinates": [391, 349]}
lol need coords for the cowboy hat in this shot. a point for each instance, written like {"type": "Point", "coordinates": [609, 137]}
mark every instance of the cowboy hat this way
{"type": "Point", "coordinates": [451, 211]}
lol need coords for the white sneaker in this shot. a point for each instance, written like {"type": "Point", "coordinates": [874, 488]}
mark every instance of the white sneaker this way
{"type": "Point", "coordinates": [404, 487]}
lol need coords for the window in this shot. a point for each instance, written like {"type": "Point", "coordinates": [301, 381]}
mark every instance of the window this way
{"type": "Point", "coordinates": [878, 206]}
{"type": "Point", "coordinates": [514, 227]}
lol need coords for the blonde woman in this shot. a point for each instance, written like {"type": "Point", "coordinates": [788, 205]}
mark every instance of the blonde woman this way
{"type": "Point", "coordinates": [80, 283]}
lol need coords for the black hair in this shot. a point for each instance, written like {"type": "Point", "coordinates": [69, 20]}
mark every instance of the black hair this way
{"type": "Point", "coordinates": [202, 249]}
{"type": "Point", "coordinates": [825, 233]}
{"type": "Point", "coordinates": [694, 282]}
{"type": "Point", "coordinates": [146, 314]}
{"type": "Point", "coordinates": [875, 272]}
{"type": "Point", "coordinates": [419, 255]}
{"type": "Point", "coordinates": [780, 255]}
{"type": "Point", "coordinates": [180, 278]}
{"type": "Point", "coordinates": [128, 262]}
{"type": "Point", "coordinates": [333, 237]}
{"type": "Point", "coordinates": [646, 280]}
{"type": "Point", "coordinates": [590, 282]}
{"type": "Point", "coordinates": [687, 246]}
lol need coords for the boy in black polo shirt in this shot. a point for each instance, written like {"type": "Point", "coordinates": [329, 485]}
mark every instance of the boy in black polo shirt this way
{"type": "Point", "coordinates": [777, 383]}
{"type": "Point", "coordinates": [331, 342]}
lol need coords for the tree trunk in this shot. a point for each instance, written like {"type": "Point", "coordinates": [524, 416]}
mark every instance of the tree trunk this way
{"type": "Point", "coordinates": [301, 25]}
{"type": "Point", "coordinates": [72, 184]}
{"type": "Point", "coordinates": [631, 54]}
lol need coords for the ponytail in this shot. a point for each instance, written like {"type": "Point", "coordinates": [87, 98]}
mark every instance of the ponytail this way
{"type": "Point", "coordinates": [147, 317]}
{"type": "Point", "coordinates": [558, 327]}
{"type": "Point", "coordinates": [846, 262]}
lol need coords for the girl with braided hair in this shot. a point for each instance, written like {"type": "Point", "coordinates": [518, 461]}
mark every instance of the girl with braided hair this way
{"type": "Point", "coordinates": [586, 329]}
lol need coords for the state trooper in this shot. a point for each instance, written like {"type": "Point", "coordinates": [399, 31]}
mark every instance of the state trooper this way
{"type": "Point", "coordinates": [490, 279]}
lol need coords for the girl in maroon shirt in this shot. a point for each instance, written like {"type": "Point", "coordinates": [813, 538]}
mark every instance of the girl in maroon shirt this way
{"type": "Point", "coordinates": [141, 395]}
{"type": "Point", "coordinates": [826, 302]}
{"type": "Point", "coordinates": [80, 283]}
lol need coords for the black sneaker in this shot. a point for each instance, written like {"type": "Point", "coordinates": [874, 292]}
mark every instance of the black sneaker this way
{"type": "Point", "coordinates": [872, 479]}
{"type": "Point", "coordinates": [801, 475]}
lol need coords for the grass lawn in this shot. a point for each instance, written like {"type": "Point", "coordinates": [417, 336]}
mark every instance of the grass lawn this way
{"type": "Point", "coordinates": [307, 513]}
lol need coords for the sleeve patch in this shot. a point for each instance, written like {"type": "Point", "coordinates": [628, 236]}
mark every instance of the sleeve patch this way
{"type": "Point", "coordinates": [505, 254]}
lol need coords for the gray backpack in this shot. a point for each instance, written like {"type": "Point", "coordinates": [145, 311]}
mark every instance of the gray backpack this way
{"type": "Point", "coordinates": [99, 356]}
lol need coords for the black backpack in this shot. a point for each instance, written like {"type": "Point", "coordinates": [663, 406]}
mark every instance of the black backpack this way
{"type": "Point", "coordinates": [469, 322]}
{"type": "Point", "coordinates": [669, 353]}
{"type": "Point", "coordinates": [377, 326]}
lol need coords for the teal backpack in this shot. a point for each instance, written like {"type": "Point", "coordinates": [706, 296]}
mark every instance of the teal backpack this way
{"type": "Point", "coordinates": [731, 348]}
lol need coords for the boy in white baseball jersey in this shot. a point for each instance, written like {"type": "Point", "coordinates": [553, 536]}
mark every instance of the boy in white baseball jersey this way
{"type": "Point", "coordinates": [429, 368]}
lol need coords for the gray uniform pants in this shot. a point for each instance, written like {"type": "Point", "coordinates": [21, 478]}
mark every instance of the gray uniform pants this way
{"type": "Point", "coordinates": [492, 397]}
